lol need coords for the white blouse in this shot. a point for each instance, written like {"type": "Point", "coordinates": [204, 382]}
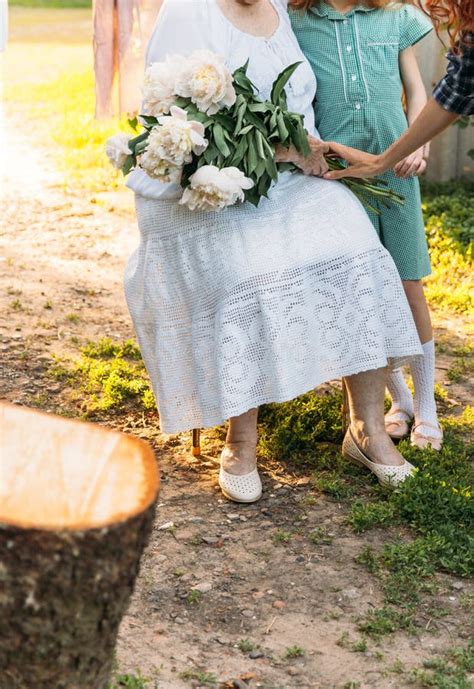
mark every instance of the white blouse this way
{"type": "Point", "coordinates": [187, 25]}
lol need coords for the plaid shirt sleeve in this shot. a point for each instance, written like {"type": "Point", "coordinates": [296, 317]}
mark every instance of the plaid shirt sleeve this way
{"type": "Point", "coordinates": [455, 92]}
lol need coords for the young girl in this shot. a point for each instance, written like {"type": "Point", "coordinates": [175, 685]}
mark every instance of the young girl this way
{"type": "Point", "coordinates": [362, 56]}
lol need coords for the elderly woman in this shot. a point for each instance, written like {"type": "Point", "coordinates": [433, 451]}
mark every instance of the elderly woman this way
{"type": "Point", "coordinates": [246, 306]}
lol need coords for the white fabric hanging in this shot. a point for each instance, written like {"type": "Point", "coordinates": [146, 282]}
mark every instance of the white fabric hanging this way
{"type": "Point", "coordinates": [121, 31]}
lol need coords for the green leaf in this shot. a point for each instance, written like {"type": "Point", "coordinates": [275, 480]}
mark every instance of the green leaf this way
{"type": "Point", "coordinates": [218, 134]}
{"type": "Point", "coordinates": [282, 130]}
{"type": "Point", "coordinates": [242, 81]}
{"type": "Point", "coordinates": [133, 123]}
{"type": "Point", "coordinates": [141, 147]}
{"type": "Point", "coordinates": [128, 165]}
{"type": "Point", "coordinates": [226, 121]}
{"type": "Point", "coordinates": [239, 152]}
{"type": "Point", "coordinates": [252, 158]}
{"type": "Point", "coordinates": [281, 81]}
{"type": "Point", "coordinates": [271, 168]}
{"type": "Point", "coordinates": [210, 154]}
{"type": "Point", "coordinates": [138, 139]}
{"type": "Point", "coordinates": [256, 121]}
{"type": "Point", "coordinates": [258, 138]}
{"type": "Point", "coordinates": [149, 119]}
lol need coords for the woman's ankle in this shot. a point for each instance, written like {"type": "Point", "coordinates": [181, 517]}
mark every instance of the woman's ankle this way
{"type": "Point", "coordinates": [239, 457]}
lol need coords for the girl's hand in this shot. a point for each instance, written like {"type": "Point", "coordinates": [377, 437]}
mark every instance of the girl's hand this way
{"type": "Point", "coordinates": [313, 164]}
{"type": "Point", "coordinates": [412, 165]}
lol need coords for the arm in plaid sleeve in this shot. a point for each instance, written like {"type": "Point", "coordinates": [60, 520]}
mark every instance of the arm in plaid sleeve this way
{"type": "Point", "coordinates": [455, 92]}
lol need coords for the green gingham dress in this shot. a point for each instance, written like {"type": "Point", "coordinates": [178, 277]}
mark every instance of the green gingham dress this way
{"type": "Point", "coordinates": [355, 58]}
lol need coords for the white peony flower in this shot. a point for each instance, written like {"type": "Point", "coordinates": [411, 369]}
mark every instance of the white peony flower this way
{"type": "Point", "coordinates": [206, 80]}
{"type": "Point", "coordinates": [159, 91]}
{"type": "Point", "coordinates": [212, 188]}
{"type": "Point", "coordinates": [171, 145]}
{"type": "Point", "coordinates": [117, 149]}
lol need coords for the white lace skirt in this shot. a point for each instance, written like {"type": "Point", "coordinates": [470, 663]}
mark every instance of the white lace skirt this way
{"type": "Point", "coordinates": [248, 306]}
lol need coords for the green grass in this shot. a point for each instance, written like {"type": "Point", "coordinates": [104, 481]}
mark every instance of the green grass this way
{"type": "Point", "coordinates": [449, 217]}
{"type": "Point", "coordinates": [130, 681]}
{"type": "Point", "coordinates": [451, 671]}
{"type": "Point", "coordinates": [294, 652]}
{"type": "Point", "coordinates": [58, 4]}
{"type": "Point", "coordinates": [437, 506]}
{"type": "Point", "coordinates": [108, 375]}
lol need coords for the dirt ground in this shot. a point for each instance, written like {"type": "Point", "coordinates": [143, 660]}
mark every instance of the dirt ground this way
{"type": "Point", "coordinates": [64, 254]}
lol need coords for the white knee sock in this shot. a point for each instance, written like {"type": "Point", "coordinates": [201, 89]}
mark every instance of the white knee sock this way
{"type": "Point", "coordinates": [423, 373]}
{"type": "Point", "coordinates": [399, 392]}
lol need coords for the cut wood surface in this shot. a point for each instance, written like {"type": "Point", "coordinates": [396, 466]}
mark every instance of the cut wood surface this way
{"type": "Point", "coordinates": [76, 509]}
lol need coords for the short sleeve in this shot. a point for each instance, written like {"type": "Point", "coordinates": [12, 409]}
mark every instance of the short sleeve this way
{"type": "Point", "coordinates": [414, 26]}
{"type": "Point", "coordinates": [181, 28]}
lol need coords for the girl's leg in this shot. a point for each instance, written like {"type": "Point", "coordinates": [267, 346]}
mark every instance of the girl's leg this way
{"type": "Point", "coordinates": [423, 370]}
{"type": "Point", "coordinates": [366, 397]}
{"type": "Point", "coordinates": [239, 454]}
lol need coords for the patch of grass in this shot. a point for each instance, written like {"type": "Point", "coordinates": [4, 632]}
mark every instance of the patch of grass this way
{"type": "Point", "coordinates": [463, 364]}
{"type": "Point", "coordinates": [108, 375]}
{"type": "Point", "coordinates": [205, 678]}
{"type": "Point", "coordinates": [438, 506]}
{"type": "Point", "coordinates": [245, 645]}
{"type": "Point", "coordinates": [332, 484]}
{"type": "Point", "coordinates": [385, 620]}
{"type": "Point", "coordinates": [359, 646]}
{"type": "Point", "coordinates": [449, 217]}
{"type": "Point", "coordinates": [320, 537]}
{"type": "Point", "coordinates": [281, 536]}
{"type": "Point", "coordinates": [451, 671]}
{"type": "Point", "coordinates": [73, 317]}
{"type": "Point", "coordinates": [294, 652]}
{"type": "Point", "coordinates": [366, 515]}
{"type": "Point", "coordinates": [62, 110]}
{"type": "Point", "coordinates": [292, 431]}
{"type": "Point", "coordinates": [194, 596]}
{"type": "Point", "coordinates": [128, 681]}
{"type": "Point", "coordinates": [16, 305]}
{"type": "Point", "coordinates": [63, 4]}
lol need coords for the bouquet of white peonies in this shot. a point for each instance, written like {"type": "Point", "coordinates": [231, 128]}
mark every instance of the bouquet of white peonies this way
{"type": "Point", "coordinates": [206, 130]}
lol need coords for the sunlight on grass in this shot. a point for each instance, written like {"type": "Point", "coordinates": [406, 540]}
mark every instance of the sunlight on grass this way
{"type": "Point", "coordinates": [50, 86]}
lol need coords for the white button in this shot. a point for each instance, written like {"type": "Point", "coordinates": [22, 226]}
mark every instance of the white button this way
{"type": "Point", "coordinates": [353, 77]}
{"type": "Point", "coordinates": [349, 48]}
{"type": "Point", "coordinates": [345, 21]}
{"type": "Point", "coordinates": [358, 106]}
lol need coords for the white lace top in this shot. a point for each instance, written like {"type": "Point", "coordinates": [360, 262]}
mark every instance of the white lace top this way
{"type": "Point", "coordinates": [187, 25]}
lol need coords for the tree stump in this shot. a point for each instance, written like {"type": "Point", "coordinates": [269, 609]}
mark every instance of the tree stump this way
{"type": "Point", "coordinates": [76, 508]}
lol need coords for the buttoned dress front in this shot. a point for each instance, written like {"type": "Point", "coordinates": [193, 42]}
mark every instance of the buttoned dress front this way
{"type": "Point", "coordinates": [355, 58]}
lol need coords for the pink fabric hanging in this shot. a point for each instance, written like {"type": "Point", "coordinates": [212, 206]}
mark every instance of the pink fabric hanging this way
{"type": "Point", "coordinates": [121, 32]}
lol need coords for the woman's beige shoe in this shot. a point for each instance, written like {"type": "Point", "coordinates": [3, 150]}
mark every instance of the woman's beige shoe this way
{"type": "Point", "coordinates": [422, 440]}
{"type": "Point", "coordinates": [243, 488]}
{"type": "Point", "coordinates": [397, 424]}
{"type": "Point", "coordinates": [390, 476]}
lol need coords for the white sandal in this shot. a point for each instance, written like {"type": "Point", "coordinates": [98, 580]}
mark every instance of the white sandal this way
{"type": "Point", "coordinates": [390, 476]}
{"type": "Point", "coordinates": [397, 424]}
{"type": "Point", "coordinates": [244, 488]}
{"type": "Point", "coordinates": [423, 441]}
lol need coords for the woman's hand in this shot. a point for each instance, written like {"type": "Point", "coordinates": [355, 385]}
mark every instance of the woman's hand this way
{"type": "Point", "coordinates": [313, 164]}
{"type": "Point", "coordinates": [361, 164]}
{"type": "Point", "coordinates": [412, 165]}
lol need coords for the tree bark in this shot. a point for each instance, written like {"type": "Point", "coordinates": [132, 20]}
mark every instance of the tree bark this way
{"type": "Point", "coordinates": [63, 593]}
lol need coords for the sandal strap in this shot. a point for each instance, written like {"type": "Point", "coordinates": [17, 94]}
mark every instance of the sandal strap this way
{"type": "Point", "coordinates": [427, 424]}
{"type": "Point", "coordinates": [398, 415]}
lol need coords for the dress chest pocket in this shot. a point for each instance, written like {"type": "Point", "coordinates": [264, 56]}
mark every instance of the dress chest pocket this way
{"type": "Point", "coordinates": [382, 53]}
